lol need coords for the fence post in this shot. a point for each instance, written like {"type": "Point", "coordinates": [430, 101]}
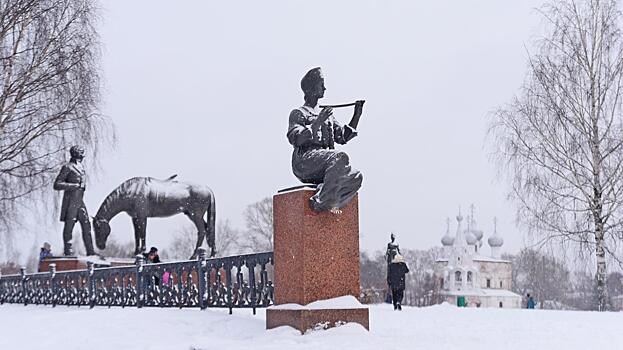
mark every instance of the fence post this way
{"type": "Point", "coordinates": [52, 269]}
{"type": "Point", "coordinates": [201, 277]}
{"type": "Point", "coordinates": [22, 272]}
{"type": "Point", "coordinates": [228, 265]}
{"type": "Point", "coordinates": [92, 283]}
{"type": "Point", "coordinates": [251, 269]}
{"type": "Point", "coordinates": [140, 293]}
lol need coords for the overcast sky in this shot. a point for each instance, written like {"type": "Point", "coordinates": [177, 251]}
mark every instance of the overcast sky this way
{"type": "Point", "coordinates": [204, 89]}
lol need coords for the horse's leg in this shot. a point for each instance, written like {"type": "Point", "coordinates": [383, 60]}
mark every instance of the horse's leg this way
{"type": "Point", "coordinates": [144, 234]}
{"type": "Point", "coordinates": [140, 225]}
{"type": "Point", "coordinates": [137, 237]}
{"type": "Point", "coordinates": [197, 219]}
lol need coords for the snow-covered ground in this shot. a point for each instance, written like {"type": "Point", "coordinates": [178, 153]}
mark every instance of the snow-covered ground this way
{"type": "Point", "coordinates": [437, 327]}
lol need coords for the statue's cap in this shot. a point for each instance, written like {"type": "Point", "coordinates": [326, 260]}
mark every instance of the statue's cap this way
{"type": "Point", "coordinates": [311, 78]}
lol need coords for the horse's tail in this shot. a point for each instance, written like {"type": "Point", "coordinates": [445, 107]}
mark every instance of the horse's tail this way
{"type": "Point", "coordinates": [211, 224]}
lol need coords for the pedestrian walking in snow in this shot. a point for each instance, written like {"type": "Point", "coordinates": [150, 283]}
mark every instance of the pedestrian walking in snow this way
{"type": "Point", "coordinates": [530, 304]}
{"type": "Point", "coordinates": [396, 279]}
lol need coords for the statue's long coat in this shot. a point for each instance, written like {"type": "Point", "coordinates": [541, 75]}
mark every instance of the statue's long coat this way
{"type": "Point", "coordinates": [71, 180]}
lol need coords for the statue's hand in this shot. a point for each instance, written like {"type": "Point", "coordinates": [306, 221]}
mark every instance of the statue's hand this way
{"type": "Point", "coordinates": [325, 114]}
{"type": "Point", "coordinates": [358, 108]}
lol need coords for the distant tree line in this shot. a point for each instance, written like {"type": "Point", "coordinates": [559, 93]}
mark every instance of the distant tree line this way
{"type": "Point", "coordinates": [556, 285]}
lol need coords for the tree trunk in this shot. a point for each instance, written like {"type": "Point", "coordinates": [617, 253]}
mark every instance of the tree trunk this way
{"type": "Point", "coordinates": [600, 275]}
{"type": "Point", "coordinates": [600, 251]}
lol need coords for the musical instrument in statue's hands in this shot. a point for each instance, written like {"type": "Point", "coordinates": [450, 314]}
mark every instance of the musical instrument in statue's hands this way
{"type": "Point", "coordinates": [327, 111]}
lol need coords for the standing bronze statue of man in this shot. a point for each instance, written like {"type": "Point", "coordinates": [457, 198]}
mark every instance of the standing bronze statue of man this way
{"type": "Point", "coordinates": [71, 180]}
{"type": "Point", "coordinates": [313, 131]}
{"type": "Point", "coordinates": [393, 249]}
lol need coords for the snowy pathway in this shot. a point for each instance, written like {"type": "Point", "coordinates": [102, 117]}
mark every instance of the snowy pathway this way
{"type": "Point", "coordinates": [437, 327]}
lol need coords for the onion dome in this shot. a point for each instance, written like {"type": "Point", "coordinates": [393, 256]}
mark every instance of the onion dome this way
{"type": "Point", "coordinates": [459, 239]}
{"type": "Point", "coordinates": [470, 238]}
{"type": "Point", "coordinates": [447, 240]}
{"type": "Point", "coordinates": [496, 240]}
{"type": "Point", "coordinates": [473, 226]}
{"type": "Point", "coordinates": [478, 233]}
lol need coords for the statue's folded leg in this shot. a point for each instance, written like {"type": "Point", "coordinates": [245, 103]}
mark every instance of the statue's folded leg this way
{"type": "Point", "coordinates": [350, 186]}
{"type": "Point", "coordinates": [340, 183]}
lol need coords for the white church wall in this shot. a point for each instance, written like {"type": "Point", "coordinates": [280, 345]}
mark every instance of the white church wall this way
{"type": "Point", "coordinates": [495, 272]}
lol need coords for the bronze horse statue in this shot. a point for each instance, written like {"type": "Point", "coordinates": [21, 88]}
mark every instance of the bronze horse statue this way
{"type": "Point", "coordinates": [146, 197]}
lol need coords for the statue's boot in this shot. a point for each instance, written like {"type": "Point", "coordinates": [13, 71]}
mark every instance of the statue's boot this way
{"type": "Point", "coordinates": [88, 244]}
{"type": "Point", "coordinates": [86, 234]}
{"type": "Point", "coordinates": [67, 249]}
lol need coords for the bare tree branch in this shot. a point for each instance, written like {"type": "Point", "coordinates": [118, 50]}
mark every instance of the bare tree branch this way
{"type": "Point", "coordinates": [259, 226]}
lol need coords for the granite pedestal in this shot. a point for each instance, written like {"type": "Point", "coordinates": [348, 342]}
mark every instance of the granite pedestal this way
{"type": "Point", "coordinates": [67, 263]}
{"type": "Point", "coordinates": [316, 258]}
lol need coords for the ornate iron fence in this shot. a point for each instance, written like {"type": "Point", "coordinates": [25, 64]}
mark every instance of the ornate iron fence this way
{"type": "Point", "coordinates": [240, 281]}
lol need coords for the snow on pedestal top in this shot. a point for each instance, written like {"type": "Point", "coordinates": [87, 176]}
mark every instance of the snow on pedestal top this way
{"type": "Point", "coordinates": [343, 302]}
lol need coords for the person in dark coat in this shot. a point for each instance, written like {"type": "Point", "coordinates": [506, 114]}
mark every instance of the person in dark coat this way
{"type": "Point", "coordinates": [396, 279]}
{"type": "Point", "coordinates": [530, 304]}
{"type": "Point", "coordinates": [152, 256]}
{"type": "Point", "coordinates": [72, 181]}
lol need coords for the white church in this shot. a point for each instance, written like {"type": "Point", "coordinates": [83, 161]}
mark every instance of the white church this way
{"type": "Point", "coordinates": [465, 276]}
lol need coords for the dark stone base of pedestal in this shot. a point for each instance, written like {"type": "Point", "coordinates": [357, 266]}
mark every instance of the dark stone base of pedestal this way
{"type": "Point", "coordinates": [310, 319]}
{"type": "Point", "coordinates": [67, 263]}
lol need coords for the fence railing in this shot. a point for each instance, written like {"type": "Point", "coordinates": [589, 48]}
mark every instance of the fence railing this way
{"type": "Point", "coordinates": [240, 281]}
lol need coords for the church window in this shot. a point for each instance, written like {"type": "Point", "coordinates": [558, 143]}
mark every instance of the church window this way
{"type": "Point", "coordinates": [469, 277]}
{"type": "Point", "coordinates": [488, 283]}
{"type": "Point", "coordinates": [457, 276]}
{"type": "Point", "coordinates": [500, 284]}
{"type": "Point", "coordinates": [441, 282]}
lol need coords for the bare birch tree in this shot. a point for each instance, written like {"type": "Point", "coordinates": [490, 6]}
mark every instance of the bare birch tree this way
{"type": "Point", "coordinates": [259, 226]}
{"type": "Point", "coordinates": [184, 241]}
{"type": "Point", "coordinates": [561, 139]}
{"type": "Point", "coordinates": [49, 93]}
